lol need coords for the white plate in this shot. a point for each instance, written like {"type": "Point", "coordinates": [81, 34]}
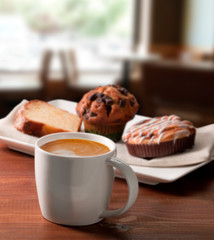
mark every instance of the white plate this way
{"type": "Point", "coordinates": [148, 175]}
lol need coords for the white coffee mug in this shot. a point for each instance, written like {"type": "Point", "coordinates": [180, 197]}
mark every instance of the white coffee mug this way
{"type": "Point", "coordinates": [75, 190]}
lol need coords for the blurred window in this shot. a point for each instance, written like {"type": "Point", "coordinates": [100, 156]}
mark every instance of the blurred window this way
{"type": "Point", "coordinates": [28, 26]}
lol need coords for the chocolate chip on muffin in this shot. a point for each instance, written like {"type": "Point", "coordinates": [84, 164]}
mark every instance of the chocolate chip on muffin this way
{"type": "Point", "coordinates": [108, 109]}
{"type": "Point", "coordinates": [132, 102]}
{"type": "Point", "coordinates": [93, 114]}
{"type": "Point", "coordinates": [108, 100]}
{"type": "Point", "coordinates": [85, 115]}
{"type": "Point", "coordinates": [122, 103]}
{"type": "Point", "coordinates": [93, 96]}
{"type": "Point", "coordinates": [123, 91]}
{"type": "Point", "coordinates": [99, 100]}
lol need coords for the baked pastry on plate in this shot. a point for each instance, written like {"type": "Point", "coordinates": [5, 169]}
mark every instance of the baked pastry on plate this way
{"type": "Point", "coordinates": [106, 109]}
{"type": "Point", "coordinates": [39, 118]}
{"type": "Point", "coordinates": [159, 136]}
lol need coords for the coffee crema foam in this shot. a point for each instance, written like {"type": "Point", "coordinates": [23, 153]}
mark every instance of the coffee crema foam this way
{"type": "Point", "coordinates": [75, 147]}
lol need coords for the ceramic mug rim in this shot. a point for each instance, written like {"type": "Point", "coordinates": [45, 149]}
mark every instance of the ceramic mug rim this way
{"type": "Point", "coordinates": [76, 135]}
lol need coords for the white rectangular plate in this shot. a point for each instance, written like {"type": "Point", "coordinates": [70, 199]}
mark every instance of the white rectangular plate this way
{"type": "Point", "coordinates": [148, 175]}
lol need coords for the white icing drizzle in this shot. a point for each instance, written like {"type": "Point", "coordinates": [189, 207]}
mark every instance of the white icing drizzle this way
{"type": "Point", "coordinates": [151, 140]}
{"type": "Point", "coordinates": [142, 138]}
{"type": "Point", "coordinates": [185, 132]}
{"type": "Point", "coordinates": [160, 137]}
{"type": "Point", "coordinates": [156, 128]}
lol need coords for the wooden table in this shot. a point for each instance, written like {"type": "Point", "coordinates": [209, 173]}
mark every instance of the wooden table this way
{"type": "Point", "coordinates": [180, 210]}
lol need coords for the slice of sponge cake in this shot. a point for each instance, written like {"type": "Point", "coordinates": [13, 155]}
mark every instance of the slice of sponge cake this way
{"type": "Point", "coordinates": [39, 118]}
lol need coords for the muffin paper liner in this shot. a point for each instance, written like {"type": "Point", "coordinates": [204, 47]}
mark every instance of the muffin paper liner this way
{"type": "Point", "coordinates": [158, 150]}
{"type": "Point", "coordinates": [114, 131]}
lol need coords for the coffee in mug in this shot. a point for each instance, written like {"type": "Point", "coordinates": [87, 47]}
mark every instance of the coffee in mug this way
{"type": "Point", "coordinates": [75, 147]}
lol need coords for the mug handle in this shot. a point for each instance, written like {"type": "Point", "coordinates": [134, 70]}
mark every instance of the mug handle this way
{"type": "Point", "coordinates": [132, 182]}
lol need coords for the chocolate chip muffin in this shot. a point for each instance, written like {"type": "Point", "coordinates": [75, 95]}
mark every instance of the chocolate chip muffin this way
{"type": "Point", "coordinates": [106, 109]}
{"type": "Point", "coordinates": [159, 136]}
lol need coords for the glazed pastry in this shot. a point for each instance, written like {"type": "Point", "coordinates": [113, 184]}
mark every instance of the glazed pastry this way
{"type": "Point", "coordinates": [159, 136]}
{"type": "Point", "coordinates": [106, 109]}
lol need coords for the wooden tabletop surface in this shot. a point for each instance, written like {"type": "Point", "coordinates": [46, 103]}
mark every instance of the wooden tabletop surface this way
{"type": "Point", "coordinates": [180, 210]}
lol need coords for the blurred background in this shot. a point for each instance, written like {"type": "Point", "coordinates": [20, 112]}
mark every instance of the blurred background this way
{"type": "Point", "coordinates": [160, 50]}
